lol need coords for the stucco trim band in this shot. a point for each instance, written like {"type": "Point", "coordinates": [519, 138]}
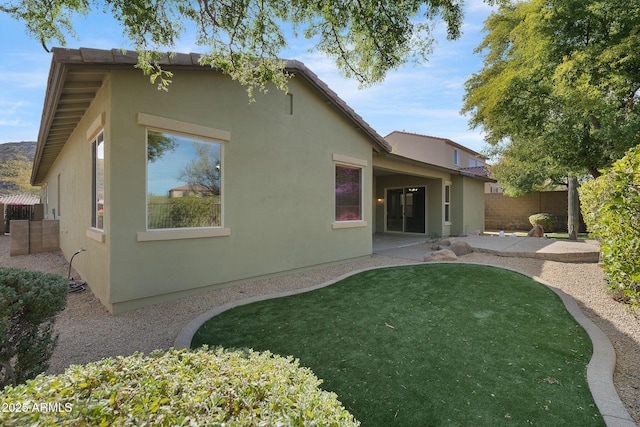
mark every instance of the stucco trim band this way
{"type": "Point", "coordinates": [192, 233]}
{"type": "Point", "coordinates": [183, 127]}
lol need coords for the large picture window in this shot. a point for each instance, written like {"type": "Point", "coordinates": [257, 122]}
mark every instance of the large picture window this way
{"type": "Point", "coordinates": [184, 181]}
{"type": "Point", "coordinates": [97, 210]}
{"type": "Point", "coordinates": [348, 193]}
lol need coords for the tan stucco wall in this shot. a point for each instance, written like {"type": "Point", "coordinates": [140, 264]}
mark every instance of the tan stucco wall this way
{"type": "Point", "coordinates": [429, 150]}
{"type": "Point", "coordinates": [278, 187]}
{"type": "Point", "coordinates": [467, 205]}
{"type": "Point", "coordinates": [434, 220]}
{"type": "Point", "coordinates": [71, 199]}
{"type": "Point", "coordinates": [396, 174]}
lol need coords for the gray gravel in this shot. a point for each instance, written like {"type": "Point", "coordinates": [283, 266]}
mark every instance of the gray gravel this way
{"type": "Point", "coordinates": [88, 332]}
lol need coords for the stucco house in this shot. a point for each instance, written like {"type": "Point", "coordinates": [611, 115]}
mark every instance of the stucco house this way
{"type": "Point", "coordinates": [301, 180]}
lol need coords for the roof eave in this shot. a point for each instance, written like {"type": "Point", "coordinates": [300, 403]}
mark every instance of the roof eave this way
{"type": "Point", "coordinates": [465, 174]}
{"type": "Point", "coordinates": [54, 86]}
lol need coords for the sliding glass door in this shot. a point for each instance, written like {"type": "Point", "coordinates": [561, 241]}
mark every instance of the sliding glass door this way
{"type": "Point", "coordinates": [406, 209]}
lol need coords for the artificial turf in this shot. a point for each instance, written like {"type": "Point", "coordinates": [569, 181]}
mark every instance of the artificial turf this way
{"type": "Point", "coordinates": [432, 344]}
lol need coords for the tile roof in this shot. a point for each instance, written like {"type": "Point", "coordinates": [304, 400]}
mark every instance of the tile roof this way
{"type": "Point", "coordinates": [477, 170]}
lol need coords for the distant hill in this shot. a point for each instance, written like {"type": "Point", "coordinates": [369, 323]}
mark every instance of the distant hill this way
{"type": "Point", "coordinates": [16, 159]}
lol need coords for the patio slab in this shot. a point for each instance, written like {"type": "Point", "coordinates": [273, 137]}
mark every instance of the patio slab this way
{"type": "Point", "coordinates": [581, 251]}
{"type": "Point", "coordinates": [412, 247]}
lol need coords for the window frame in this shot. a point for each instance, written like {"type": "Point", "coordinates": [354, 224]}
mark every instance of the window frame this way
{"type": "Point", "coordinates": [456, 157]}
{"type": "Point", "coordinates": [199, 139]}
{"type": "Point", "coordinates": [350, 163]}
{"type": "Point", "coordinates": [96, 141]}
{"type": "Point", "coordinates": [163, 124]}
{"type": "Point", "coordinates": [447, 202]}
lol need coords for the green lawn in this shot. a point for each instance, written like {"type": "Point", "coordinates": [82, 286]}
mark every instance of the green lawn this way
{"type": "Point", "coordinates": [432, 344]}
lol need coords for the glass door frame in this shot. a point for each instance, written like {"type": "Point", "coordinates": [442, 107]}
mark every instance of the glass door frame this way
{"type": "Point", "coordinates": [403, 206]}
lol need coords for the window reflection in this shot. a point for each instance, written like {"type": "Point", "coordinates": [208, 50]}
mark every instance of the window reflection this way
{"type": "Point", "coordinates": [183, 181]}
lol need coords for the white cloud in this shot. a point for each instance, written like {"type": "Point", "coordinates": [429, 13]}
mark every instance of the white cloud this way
{"type": "Point", "coordinates": [24, 80]}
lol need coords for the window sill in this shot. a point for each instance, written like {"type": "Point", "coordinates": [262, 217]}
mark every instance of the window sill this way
{"type": "Point", "coordinates": [197, 233]}
{"type": "Point", "coordinates": [447, 223]}
{"type": "Point", "coordinates": [348, 224]}
{"type": "Point", "coordinates": [96, 234]}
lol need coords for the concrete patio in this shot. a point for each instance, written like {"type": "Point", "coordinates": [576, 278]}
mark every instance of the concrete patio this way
{"type": "Point", "coordinates": [414, 247]}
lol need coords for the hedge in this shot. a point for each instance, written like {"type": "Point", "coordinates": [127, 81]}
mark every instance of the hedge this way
{"type": "Point", "coordinates": [29, 302]}
{"type": "Point", "coordinates": [611, 210]}
{"type": "Point", "coordinates": [543, 219]}
{"type": "Point", "coordinates": [179, 387]}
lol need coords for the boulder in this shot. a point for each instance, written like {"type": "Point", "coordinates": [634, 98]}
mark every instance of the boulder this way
{"type": "Point", "coordinates": [461, 248]}
{"type": "Point", "coordinates": [536, 231]}
{"type": "Point", "coordinates": [441, 255]}
{"type": "Point", "coordinates": [440, 243]}
{"type": "Point", "coordinates": [444, 242]}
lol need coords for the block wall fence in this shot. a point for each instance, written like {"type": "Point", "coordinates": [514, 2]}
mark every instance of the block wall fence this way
{"type": "Point", "coordinates": [512, 213]}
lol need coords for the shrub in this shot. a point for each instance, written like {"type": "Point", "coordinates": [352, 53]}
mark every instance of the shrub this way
{"type": "Point", "coordinates": [29, 302]}
{"type": "Point", "coordinates": [611, 210]}
{"type": "Point", "coordinates": [181, 387]}
{"type": "Point", "coordinates": [544, 219]}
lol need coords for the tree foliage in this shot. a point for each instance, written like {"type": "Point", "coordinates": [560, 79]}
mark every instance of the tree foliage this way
{"type": "Point", "coordinates": [367, 38]}
{"type": "Point", "coordinates": [29, 302]}
{"type": "Point", "coordinates": [157, 144]}
{"type": "Point", "coordinates": [203, 171]}
{"type": "Point", "coordinates": [559, 91]}
{"type": "Point", "coordinates": [611, 210]}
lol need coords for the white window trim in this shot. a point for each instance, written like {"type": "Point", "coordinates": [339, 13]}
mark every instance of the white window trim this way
{"type": "Point", "coordinates": [162, 124]}
{"type": "Point", "coordinates": [96, 234]}
{"type": "Point", "coordinates": [456, 157]}
{"type": "Point", "coordinates": [350, 162]}
{"type": "Point", "coordinates": [337, 225]}
{"type": "Point", "coordinates": [100, 130]}
{"type": "Point", "coordinates": [444, 201]}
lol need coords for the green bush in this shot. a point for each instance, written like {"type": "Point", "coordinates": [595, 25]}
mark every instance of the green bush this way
{"type": "Point", "coordinates": [29, 302]}
{"type": "Point", "coordinates": [180, 387]}
{"type": "Point", "coordinates": [611, 210]}
{"type": "Point", "coordinates": [544, 219]}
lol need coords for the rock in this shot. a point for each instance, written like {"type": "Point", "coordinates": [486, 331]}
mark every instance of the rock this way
{"type": "Point", "coordinates": [475, 233]}
{"type": "Point", "coordinates": [536, 231]}
{"type": "Point", "coordinates": [441, 255]}
{"type": "Point", "coordinates": [461, 248]}
{"type": "Point", "coordinates": [444, 242]}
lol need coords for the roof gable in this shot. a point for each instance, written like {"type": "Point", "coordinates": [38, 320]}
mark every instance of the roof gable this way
{"type": "Point", "coordinates": [76, 75]}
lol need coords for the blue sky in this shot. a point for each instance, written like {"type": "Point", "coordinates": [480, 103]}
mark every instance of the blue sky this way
{"type": "Point", "coordinates": [424, 98]}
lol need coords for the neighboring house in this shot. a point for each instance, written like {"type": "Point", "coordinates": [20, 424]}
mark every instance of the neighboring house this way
{"type": "Point", "coordinates": [303, 180]}
{"type": "Point", "coordinates": [465, 175]}
{"type": "Point", "coordinates": [193, 190]}
{"type": "Point", "coordinates": [438, 151]}
{"type": "Point", "coordinates": [21, 208]}
{"type": "Point", "coordinates": [19, 199]}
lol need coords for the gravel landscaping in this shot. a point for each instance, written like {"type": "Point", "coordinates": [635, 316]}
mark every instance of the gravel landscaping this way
{"type": "Point", "coordinates": [88, 332]}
